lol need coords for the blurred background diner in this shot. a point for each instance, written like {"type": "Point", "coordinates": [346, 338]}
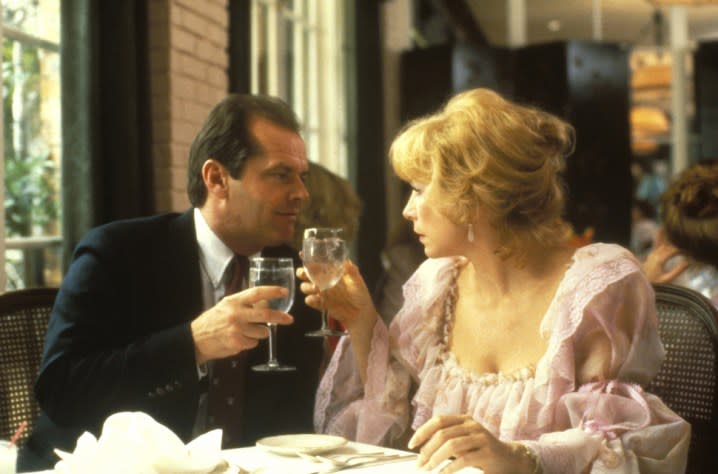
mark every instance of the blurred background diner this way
{"type": "Point", "coordinates": [101, 101]}
{"type": "Point", "coordinates": [99, 112]}
{"type": "Point", "coordinates": [686, 245]}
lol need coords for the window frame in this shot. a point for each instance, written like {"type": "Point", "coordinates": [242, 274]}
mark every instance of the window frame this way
{"type": "Point", "coordinates": [314, 84]}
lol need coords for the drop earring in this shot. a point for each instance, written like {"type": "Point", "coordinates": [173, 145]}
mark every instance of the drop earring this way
{"type": "Point", "coordinates": [470, 235]}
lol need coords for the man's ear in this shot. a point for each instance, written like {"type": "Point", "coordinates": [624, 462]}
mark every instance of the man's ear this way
{"type": "Point", "coordinates": [215, 177]}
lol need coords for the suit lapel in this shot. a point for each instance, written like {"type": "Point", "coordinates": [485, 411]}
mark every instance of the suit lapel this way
{"type": "Point", "coordinates": [182, 263]}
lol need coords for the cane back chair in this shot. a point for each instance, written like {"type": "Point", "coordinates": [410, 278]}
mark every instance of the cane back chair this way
{"type": "Point", "coordinates": [688, 379]}
{"type": "Point", "coordinates": [24, 315]}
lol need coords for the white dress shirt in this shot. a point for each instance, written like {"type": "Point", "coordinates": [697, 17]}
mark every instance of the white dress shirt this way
{"type": "Point", "coordinates": [214, 259]}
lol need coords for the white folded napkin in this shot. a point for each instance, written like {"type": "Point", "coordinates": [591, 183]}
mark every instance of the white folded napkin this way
{"type": "Point", "coordinates": [133, 442]}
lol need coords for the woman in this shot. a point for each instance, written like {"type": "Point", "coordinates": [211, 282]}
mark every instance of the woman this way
{"type": "Point", "coordinates": [689, 210]}
{"type": "Point", "coordinates": [513, 352]}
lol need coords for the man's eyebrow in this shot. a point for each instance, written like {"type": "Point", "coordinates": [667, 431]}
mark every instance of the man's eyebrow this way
{"type": "Point", "coordinates": [280, 166]}
{"type": "Point", "coordinates": [283, 167]}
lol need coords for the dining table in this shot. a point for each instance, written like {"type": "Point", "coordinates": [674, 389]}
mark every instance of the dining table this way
{"type": "Point", "coordinates": [359, 458]}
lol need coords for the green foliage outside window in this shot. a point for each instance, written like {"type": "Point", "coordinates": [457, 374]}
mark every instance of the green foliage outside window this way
{"type": "Point", "coordinates": [31, 202]}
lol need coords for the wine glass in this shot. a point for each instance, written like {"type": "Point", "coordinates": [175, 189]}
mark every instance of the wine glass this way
{"type": "Point", "coordinates": [273, 272]}
{"type": "Point", "coordinates": [324, 252]}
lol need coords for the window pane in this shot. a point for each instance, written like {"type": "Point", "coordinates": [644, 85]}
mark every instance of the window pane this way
{"type": "Point", "coordinates": [39, 18]}
{"type": "Point", "coordinates": [32, 146]}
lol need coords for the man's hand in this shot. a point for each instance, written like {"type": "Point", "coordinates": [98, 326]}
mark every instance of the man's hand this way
{"type": "Point", "coordinates": [236, 323]}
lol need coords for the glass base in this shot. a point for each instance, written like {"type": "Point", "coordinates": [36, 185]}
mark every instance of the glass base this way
{"type": "Point", "coordinates": [273, 368]}
{"type": "Point", "coordinates": [325, 333]}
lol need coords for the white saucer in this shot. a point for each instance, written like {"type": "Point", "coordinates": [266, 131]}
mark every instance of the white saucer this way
{"type": "Point", "coordinates": [301, 443]}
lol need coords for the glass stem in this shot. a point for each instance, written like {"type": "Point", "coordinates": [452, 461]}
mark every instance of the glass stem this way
{"type": "Point", "coordinates": [325, 323]}
{"type": "Point", "coordinates": [272, 348]}
{"type": "Point", "coordinates": [325, 316]}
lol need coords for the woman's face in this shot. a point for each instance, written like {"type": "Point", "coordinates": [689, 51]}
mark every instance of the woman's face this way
{"type": "Point", "coordinates": [437, 233]}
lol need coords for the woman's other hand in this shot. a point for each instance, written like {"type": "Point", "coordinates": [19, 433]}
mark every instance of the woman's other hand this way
{"type": "Point", "coordinates": [465, 442]}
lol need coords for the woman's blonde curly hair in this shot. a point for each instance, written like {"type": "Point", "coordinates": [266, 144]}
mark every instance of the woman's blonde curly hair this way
{"type": "Point", "coordinates": [486, 153]}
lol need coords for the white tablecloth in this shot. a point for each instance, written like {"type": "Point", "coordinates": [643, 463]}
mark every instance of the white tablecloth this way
{"type": "Point", "coordinates": [264, 462]}
{"type": "Point", "coordinates": [254, 458]}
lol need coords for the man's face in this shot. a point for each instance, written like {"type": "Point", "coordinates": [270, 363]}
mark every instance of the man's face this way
{"type": "Point", "coordinates": [262, 205]}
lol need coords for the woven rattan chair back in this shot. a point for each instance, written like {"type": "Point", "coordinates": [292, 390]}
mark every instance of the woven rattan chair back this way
{"type": "Point", "coordinates": [688, 379]}
{"type": "Point", "coordinates": [24, 315]}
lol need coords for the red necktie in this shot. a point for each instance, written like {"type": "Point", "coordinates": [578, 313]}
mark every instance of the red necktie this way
{"type": "Point", "coordinates": [225, 398]}
{"type": "Point", "coordinates": [240, 265]}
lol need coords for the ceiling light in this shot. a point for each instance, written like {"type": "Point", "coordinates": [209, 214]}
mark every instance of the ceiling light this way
{"type": "Point", "coordinates": [553, 25]}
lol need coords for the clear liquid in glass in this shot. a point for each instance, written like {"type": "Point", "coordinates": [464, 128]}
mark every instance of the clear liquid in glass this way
{"type": "Point", "coordinates": [273, 272]}
{"type": "Point", "coordinates": [323, 254]}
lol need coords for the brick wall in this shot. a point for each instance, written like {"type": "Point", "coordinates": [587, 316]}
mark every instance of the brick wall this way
{"type": "Point", "coordinates": [188, 63]}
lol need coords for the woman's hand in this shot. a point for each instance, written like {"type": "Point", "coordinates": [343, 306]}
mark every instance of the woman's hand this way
{"type": "Point", "coordinates": [654, 266]}
{"type": "Point", "coordinates": [467, 443]}
{"type": "Point", "coordinates": [348, 301]}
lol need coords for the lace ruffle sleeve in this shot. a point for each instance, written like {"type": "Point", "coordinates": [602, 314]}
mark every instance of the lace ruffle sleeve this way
{"type": "Point", "coordinates": [379, 413]}
{"type": "Point", "coordinates": [612, 425]}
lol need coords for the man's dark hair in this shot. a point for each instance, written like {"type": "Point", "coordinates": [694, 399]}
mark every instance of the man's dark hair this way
{"type": "Point", "coordinates": [225, 136]}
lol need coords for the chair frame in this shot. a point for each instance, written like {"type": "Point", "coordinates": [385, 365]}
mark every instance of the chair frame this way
{"type": "Point", "coordinates": [698, 304]}
{"type": "Point", "coordinates": [17, 300]}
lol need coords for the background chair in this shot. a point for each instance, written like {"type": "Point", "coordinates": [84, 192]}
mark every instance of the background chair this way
{"type": "Point", "coordinates": [24, 315]}
{"type": "Point", "coordinates": [688, 379]}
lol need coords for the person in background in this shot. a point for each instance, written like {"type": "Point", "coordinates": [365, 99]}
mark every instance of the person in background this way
{"type": "Point", "coordinates": [332, 203]}
{"type": "Point", "coordinates": [147, 318]}
{"type": "Point", "coordinates": [643, 227]}
{"type": "Point", "coordinates": [513, 351]}
{"type": "Point", "coordinates": [652, 180]}
{"type": "Point", "coordinates": [686, 248]}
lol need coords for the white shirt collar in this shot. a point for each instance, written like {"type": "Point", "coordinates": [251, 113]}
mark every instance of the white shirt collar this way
{"type": "Point", "coordinates": [214, 255]}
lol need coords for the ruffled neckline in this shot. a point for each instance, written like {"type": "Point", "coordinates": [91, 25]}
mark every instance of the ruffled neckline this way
{"type": "Point", "coordinates": [574, 269]}
{"type": "Point", "coordinates": [448, 358]}
{"type": "Point", "coordinates": [452, 368]}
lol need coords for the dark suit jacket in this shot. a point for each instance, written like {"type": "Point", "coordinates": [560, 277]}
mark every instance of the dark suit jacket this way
{"type": "Point", "coordinates": [119, 339]}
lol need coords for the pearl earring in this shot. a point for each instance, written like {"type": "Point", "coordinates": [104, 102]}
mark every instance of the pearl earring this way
{"type": "Point", "coordinates": [470, 235]}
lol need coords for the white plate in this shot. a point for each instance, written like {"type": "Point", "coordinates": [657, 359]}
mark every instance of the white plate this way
{"type": "Point", "coordinates": [301, 443]}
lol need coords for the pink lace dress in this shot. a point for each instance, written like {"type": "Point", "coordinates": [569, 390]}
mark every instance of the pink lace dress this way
{"type": "Point", "coordinates": [611, 426]}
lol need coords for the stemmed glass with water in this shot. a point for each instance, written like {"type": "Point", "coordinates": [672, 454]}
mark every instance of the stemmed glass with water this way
{"type": "Point", "coordinates": [323, 253]}
{"type": "Point", "coordinates": [273, 272]}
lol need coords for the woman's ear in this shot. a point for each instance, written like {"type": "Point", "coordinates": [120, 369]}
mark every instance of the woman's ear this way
{"type": "Point", "coordinates": [215, 177]}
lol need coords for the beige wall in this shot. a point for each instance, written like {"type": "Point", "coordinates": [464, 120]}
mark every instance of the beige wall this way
{"type": "Point", "coordinates": [188, 62]}
{"type": "Point", "coordinates": [396, 33]}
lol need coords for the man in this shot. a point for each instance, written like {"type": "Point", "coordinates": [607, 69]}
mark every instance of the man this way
{"type": "Point", "coordinates": [141, 322]}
